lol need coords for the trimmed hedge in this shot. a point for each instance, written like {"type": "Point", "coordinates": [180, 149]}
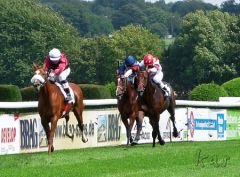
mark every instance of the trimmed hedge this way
{"type": "Point", "coordinates": [232, 87]}
{"type": "Point", "coordinates": [29, 94]}
{"type": "Point", "coordinates": [10, 93]}
{"type": "Point", "coordinates": [207, 92]}
{"type": "Point", "coordinates": [91, 91]}
{"type": "Point", "coordinates": [112, 87]}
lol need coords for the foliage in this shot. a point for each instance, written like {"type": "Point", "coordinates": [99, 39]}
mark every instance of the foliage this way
{"type": "Point", "coordinates": [28, 31]}
{"type": "Point", "coordinates": [10, 93]}
{"type": "Point", "coordinates": [129, 40]}
{"type": "Point", "coordinates": [232, 87]}
{"type": "Point", "coordinates": [91, 91]}
{"type": "Point", "coordinates": [202, 52]}
{"type": "Point", "coordinates": [184, 7]}
{"type": "Point", "coordinates": [207, 92]}
{"type": "Point", "coordinates": [112, 87]}
{"type": "Point", "coordinates": [29, 94]}
{"type": "Point", "coordinates": [80, 16]}
{"type": "Point", "coordinates": [231, 6]}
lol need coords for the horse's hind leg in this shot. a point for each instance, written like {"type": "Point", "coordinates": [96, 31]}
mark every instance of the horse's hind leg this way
{"type": "Point", "coordinates": [171, 110]}
{"type": "Point", "coordinates": [78, 114]}
{"type": "Point", "coordinates": [66, 130]}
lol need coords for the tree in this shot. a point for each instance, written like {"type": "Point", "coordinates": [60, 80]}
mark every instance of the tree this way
{"type": "Point", "coordinates": [231, 6]}
{"type": "Point", "coordinates": [28, 31]}
{"type": "Point", "coordinates": [198, 54]}
{"type": "Point", "coordinates": [128, 14]}
{"type": "Point", "coordinates": [130, 40]}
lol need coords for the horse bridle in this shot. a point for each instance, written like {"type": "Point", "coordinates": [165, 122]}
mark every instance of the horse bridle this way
{"type": "Point", "coordinates": [38, 81]}
{"type": "Point", "coordinates": [122, 88]}
{"type": "Point", "coordinates": [141, 85]}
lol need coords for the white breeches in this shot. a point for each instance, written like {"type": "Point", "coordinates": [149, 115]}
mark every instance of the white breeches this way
{"type": "Point", "coordinates": [157, 78]}
{"type": "Point", "coordinates": [63, 75]}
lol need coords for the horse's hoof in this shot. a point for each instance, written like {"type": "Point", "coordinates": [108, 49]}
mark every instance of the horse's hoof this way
{"type": "Point", "coordinates": [84, 140]}
{"type": "Point", "coordinates": [175, 134]}
{"type": "Point", "coordinates": [50, 150]}
{"type": "Point", "coordinates": [134, 143]}
{"type": "Point", "coordinates": [162, 142]}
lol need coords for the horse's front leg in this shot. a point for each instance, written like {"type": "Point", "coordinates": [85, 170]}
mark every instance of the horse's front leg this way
{"type": "Point", "coordinates": [51, 135]}
{"type": "Point", "coordinates": [45, 127]}
{"type": "Point", "coordinates": [127, 126]}
{"type": "Point", "coordinates": [139, 121]}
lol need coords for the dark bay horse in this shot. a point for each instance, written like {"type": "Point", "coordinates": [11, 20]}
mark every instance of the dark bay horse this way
{"type": "Point", "coordinates": [153, 103]}
{"type": "Point", "coordinates": [128, 108]}
{"type": "Point", "coordinates": [51, 105]}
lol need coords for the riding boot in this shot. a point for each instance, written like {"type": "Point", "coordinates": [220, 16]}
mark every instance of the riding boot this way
{"type": "Point", "coordinates": [69, 97]}
{"type": "Point", "coordinates": [166, 92]}
{"type": "Point", "coordinates": [163, 88]}
{"type": "Point", "coordinates": [67, 90]}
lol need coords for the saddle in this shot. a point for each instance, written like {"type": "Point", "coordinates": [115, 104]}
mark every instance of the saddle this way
{"type": "Point", "coordinates": [64, 94]}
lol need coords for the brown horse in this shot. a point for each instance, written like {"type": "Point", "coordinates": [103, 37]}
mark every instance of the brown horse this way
{"type": "Point", "coordinates": [51, 105]}
{"type": "Point", "coordinates": [128, 108]}
{"type": "Point", "coordinates": [153, 103]}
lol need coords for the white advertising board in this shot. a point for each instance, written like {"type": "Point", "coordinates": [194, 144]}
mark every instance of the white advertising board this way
{"type": "Point", "coordinates": [9, 133]}
{"type": "Point", "coordinates": [165, 126]}
{"type": "Point", "coordinates": [206, 124]}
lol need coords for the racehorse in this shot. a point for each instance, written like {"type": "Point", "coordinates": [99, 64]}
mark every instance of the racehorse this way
{"type": "Point", "coordinates": [153, 103]}
{"type": "Point", "coordinates": [128, 108]}
{"type": "Point", "coordinates": [51, 105]}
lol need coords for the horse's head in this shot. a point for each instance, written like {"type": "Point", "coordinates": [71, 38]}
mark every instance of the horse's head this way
{"type": "Point", "coordinates": [121, 87]}
{"type": "Point", "coordinates": [39, 77]}
{"type": "Point", "coordinates": [142, 81]}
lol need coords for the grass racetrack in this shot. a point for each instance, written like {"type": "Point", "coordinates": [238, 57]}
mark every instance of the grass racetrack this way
{"type": "Point", "coordinates": [207, 159]}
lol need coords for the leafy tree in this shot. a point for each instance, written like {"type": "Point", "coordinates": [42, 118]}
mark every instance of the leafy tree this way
{"type": "Point", "coordinates": [200, 52]}
{"type": "Point", "coordinates": [28, 31]}
{"type": "Point", "coordinates": [231, 6]}
{"type": "Point", "coordinates": [129, 40]}
{"type": "Point", "coordinates": [80, 15]}
{"type": "Point", "coordinates": [184, 7]}
{"type": "Point", "coordinates": [128, 14]}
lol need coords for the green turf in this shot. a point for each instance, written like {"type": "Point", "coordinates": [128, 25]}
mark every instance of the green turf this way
{"type": "Point", "coordinates": [219, 158]}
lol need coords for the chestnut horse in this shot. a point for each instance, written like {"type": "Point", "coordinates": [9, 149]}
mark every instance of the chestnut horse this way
{"type": "Point", "coordinates": [128, 108]}
{"type": "Point", "coordinates": [153, 103]}
{"type": "Point", "coordinates": [51, 105]}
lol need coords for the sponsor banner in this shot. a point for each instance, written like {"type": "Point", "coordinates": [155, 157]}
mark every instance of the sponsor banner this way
{"type": "Point", "coordinates": [206, 124]}
{"type": "Point", "coordinates": [32, 135]}
{"type": "Point", "coordinates": [9, 133]}
{"type": "Point", "coordinates": [233, 124]}
{"type": "Point", "coordinates": [165, 126]}
{"type": "Point", "coordinates": [101, 127]}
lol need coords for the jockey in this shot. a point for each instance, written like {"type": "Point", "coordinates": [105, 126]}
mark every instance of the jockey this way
{"type": "Point", "coordinates": [129, 67]}
{"type": "Point", "coordinates": [154, 69]}
{"type": "Point", "coordinates": [57, 64]}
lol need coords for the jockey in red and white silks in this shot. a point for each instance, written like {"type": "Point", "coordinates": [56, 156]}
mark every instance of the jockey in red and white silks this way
{"type": "Point", "coordinates": [57, 62]}
{"type": "Point", "coordinates": [154, 69]}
